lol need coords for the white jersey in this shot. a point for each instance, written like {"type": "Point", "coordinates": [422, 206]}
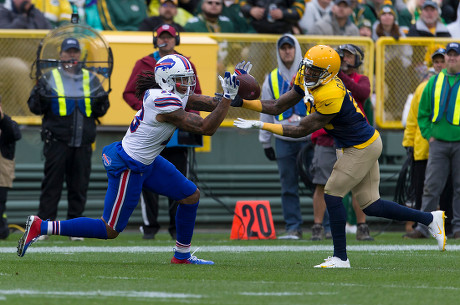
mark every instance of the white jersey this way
{"type": "Point", "coordinates": [146, 137]}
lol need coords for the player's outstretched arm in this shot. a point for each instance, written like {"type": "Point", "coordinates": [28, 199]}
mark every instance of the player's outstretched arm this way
{"type": "Point", "coordinates": [194, 123]}
{"type": "Point", "coordinates": [203, 102]}
{"type": "Point", "coordinates": [307, 125]}
{"type": "Point", "coordinates": [273, 107]}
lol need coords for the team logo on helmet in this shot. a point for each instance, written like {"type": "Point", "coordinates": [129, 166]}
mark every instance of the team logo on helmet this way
{"type": "Point", "coordinates": [165, 64]}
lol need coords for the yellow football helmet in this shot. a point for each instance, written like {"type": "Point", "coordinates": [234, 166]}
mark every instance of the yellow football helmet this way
{"type": "Point", "coordinates": [320, 64]}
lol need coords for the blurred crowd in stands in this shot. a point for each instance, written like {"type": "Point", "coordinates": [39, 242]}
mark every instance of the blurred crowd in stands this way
{"type": "Point", "coordinates": [372, 18]}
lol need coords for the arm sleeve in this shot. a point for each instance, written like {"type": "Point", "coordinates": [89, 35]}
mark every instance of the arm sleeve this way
{"type": "Point", "coordinates": [38, 104]}
{"type": "Point", "coordinates": [167, 103]}
{"type": "Point", "coordinates": [424, 110]}
{"type": "Point", "coordinates": [245, 7]}
{"type": "Point", "coordinates": [295, 12]}
{"type": "Point", "coordinates": [411, 122]}
{"type": "Point", "coordinates": [360, 90]}
{"type": "Point", "coordinates": [307, 21]}
{"type": "Point", "coordinates": [10, 130]}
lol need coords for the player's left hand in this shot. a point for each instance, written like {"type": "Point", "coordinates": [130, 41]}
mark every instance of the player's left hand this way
{"type": "Point", "coordinates": [248, 124]}
{"type": "Point", "coordinates": [242, 68]}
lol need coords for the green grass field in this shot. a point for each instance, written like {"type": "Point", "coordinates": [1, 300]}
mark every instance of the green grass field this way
{"type": "Point", "coordinates": [130, 270]}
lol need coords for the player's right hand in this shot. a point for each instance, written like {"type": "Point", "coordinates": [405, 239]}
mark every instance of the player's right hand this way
{"type": "Point", "coordinates": [248, 124]}
{"type": "Point", "coordinates": [230, 85]}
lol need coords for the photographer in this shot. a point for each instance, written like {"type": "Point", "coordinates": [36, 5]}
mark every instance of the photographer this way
{"type": "Point", "coordinates": [71, 99]}
{"type": "Point", "coordinates": [21, 14]}
{"type": "Point", "coordinates": [358, 84]}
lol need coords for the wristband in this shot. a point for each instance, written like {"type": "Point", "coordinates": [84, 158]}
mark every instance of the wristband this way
{"type": "Point", "coordinates": [255, 105]}
{"type": "Point", "coordinates": [274, 128]}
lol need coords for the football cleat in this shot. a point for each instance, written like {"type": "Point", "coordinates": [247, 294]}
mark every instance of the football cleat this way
{"type": "Point", "coordinates": [436, 228]}
{"type": "Point", "coordinates": [31, 234]}
{"type": "Point", "coordinates": [334, 262]}
{"type": "Point", "coordinates": [191, 260]}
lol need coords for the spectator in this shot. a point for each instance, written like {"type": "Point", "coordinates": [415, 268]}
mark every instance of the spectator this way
{"type": "Point", "coordinates": [167, 12]}
{"type": "Point", "coordinates": [9, 134]}
{"type": "Point", "coordinates": [398, 59]}
{"type": "Point", "coordinates": [70, 98]}
{"type": "Point", "coordinates": [454, 27]}
{"type": "Point", "coordinates": [387, 25]}
{"type": "Point", "coordinates": [232, 10]}
{"type": "Point", "coordinates": [365, 28]}
{"type": "Point", "coordinates": [21, 14]}
{"type": "Point", "coordinates": [166, 38]}
{"type": "Point", "coordinates": [337, 22]}
{"type": "Point", "coordinates": [276, 83]}
{"type": "Point", "coordinates": [88, 13]}
{"type": "Point", "coordinates": [122, 15]}
{"type": "Point", "coordinates": [314, 11]}
{"type": "Point", "coordinates": [371, 8]}
{"type": "Point", "coordinates": [324, 158]}
{"type": "Point", "coordinates": [429, 24]}
{"type": "Point", "coordinates": [183, 14]}
{"type": "Point", "coordinates": [440, 126]}
{"type": "Point", "coordinates": [210, 20]}
{"type": "Point", "coordinates": [417, 146]}
{"type": "Point", "coordinates": [273, 16]}
{"type": "Point", "coordinates": [360, 87]}
{"type": "Point", "coordinates": [449, 10]}
{"type": "Point", "coordinates": [57, 12]}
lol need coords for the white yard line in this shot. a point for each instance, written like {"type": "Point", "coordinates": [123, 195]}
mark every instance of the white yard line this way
{"type": "Point", "coordinates": [101, 293]}
{"type": "Point", "coordinates": [233, 249]}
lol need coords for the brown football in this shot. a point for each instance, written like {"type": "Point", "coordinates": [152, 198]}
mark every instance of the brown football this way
{"type": "Point", "coordinates": [249, 87]}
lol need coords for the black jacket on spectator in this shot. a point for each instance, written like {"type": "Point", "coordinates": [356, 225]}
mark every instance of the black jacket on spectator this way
{"type": "Point", "coordinates": [151, 23]}
{"type": "Point", "coordinates": [11, 18]}
{"type": "Point", "coordinates": [9, 134]}
{"type": "Point", "coordinates": [291, 15]}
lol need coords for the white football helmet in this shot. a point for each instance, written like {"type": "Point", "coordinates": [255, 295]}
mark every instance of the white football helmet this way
{"type": "Point", "coordinates": [174, 73]}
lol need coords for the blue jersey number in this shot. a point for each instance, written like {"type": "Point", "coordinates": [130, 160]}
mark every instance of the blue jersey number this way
{"type": "Point", "coordinates": [137, 121]}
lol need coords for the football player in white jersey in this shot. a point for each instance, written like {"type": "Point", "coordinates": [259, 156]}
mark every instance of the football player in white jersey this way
{"type": "Point", "coordinates": [135, 162]}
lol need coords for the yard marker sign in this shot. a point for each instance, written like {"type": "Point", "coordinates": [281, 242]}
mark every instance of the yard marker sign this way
{"type": "Point", "coordinates": [253, 220]}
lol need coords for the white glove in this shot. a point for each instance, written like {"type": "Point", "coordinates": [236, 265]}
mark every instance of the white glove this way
{"type": "Point", "coordinates": [242, 68]}
{"type": "Point", "coordinates": [247, 124]}
{"type": "Point", "coordinates": [230, 85]}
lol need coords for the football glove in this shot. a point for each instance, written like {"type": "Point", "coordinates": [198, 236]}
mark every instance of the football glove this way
{"type": "Point", "coordinates": [230, 85]}
{"type": "Point", "coordinates": [237, 101]}
{"type": "Point", "coordinates": [270, 153]}
{"type": "Point", "coordinates": [247, 124]}
{"type": "Point", "coordinates": [242, 68]}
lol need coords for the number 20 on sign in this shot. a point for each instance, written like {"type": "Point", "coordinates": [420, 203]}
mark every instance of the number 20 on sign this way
{"type": "Point", "coordinates": [253, 220]}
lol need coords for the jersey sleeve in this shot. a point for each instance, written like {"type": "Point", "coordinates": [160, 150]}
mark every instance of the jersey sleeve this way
{"type": "Point", "coordinates": [167, 102]}
{"type": "Point", "coordinates": [329, 98]}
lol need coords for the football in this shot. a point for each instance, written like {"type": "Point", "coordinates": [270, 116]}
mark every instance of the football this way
{"type": "Point", "coordinates": [249, 87]}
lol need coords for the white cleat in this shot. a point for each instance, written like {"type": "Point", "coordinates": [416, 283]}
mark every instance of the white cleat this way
{"type": "Point", "coordinates": [436, 228]}
{"type": "Point", "coordinates": [334, 262]}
